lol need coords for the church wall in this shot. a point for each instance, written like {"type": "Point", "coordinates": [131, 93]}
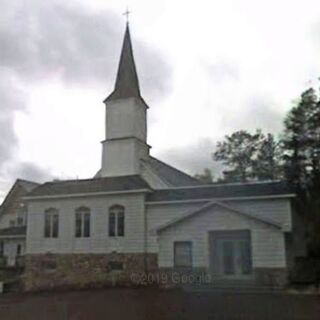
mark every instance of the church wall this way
{"type": "Point", "coordinates": [268, 249]}
{"type": "Point", "coordinates": [119, 158]}
{"type": "Point", "coordinates": [276, 209]}
{"type": "Point", "coordinates": [267, 245]}
{"type": "Point", "coordinates": [158, 215]}
{"type": "Point", "coordinates": [6, 218]}
{"type": "Point", "coordinates": [99, 240]}
{"type": "Point", "coordinates": [122, 157]}
{"type": "Point", "coordinates": [126, 118]}
{"type": "Point", "coordinates": [126, 134]}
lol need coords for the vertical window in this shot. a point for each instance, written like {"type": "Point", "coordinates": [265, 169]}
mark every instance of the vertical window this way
{"type": "Point", "coordinates": [82, 228]}
{"type": "Point", "coordinates": [19, 249]}
{"type": "Point", "coordinates": [183, 254]}
{"type": "Point", "coordinates": [22, 213]}
{"type": "Point", "coordinates": [1, 248]}
{"type": "Point", "coordinates": [228, 257]}
{"type": "Point", "coordinates": [51, 223]}
{"type": "Point", "coordinates": [116, 221]}
{"type": "Point", "coordinates": [112, 224]}
{"type": "Point", "coordinates": [20, 221]}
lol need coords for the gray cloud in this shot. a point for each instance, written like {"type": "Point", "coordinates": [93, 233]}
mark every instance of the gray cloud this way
{"type": "Point", "coordinates": [193, 158]}
{"type": "Point", "coordinates": [155, 74]}
{"type": "Point", "coordinates": [22, 170]}
{"type": "Point", "coordinates": [256, 112]}
{"type": "Point", "coordinates": [221, 71]}
{"type": "Point", "coordinates": [42, 39]}
{"type": "Point", "coordinates": [30, 171]}
{"type": "Point", "coordinates": [11, 101]}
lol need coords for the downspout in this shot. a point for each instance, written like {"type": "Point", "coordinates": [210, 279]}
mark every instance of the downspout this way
{"type": "Point", "coordinates": [145, 237]}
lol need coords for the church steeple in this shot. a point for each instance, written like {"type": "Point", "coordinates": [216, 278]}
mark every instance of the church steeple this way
{"type": "Point", "coordinates": [126, 120]}
{"type": "Point", "coordinates": [127, 83]}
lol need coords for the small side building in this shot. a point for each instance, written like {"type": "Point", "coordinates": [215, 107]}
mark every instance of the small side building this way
{"type": "Point", "coordinates": [13, 221]}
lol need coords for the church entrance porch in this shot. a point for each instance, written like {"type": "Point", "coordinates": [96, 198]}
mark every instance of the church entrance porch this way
{"type": "Point", "coordinates": [230, 254]}
{"type": "Point", "coordinates": [231, 247]}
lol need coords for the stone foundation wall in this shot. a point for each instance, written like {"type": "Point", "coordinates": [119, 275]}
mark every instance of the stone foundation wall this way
{"type": "Point", "coordinates": [76, 271]}
{"type": "Point", "coordinates": [64, 271]}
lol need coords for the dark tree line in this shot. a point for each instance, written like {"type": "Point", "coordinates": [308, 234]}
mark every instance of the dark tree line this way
{"type": "Point", "coordinates": [249, 157]}
{"type": "Point", "coordinates": [294, 156]}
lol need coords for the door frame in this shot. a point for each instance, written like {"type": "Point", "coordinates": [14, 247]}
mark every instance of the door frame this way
{"type": "Point", "coordinates": [214, 267]}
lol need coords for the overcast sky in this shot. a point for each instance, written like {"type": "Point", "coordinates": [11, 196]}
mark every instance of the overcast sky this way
{"type": "Point", "coordinates": [206, 69]}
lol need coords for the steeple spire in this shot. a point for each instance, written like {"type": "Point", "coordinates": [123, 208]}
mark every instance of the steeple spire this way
{"type": "Point", "coordinates": [127, 83]}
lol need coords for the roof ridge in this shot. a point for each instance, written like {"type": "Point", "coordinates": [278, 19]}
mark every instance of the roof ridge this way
{"type": "Point", "coordinates": [28, 181]}
{"type": "Point", "coordinates": [226, 184]}
{"type": "Point", "coordinates": [88, 179]}
{"type": "Point", "coordinates": [90, 186]}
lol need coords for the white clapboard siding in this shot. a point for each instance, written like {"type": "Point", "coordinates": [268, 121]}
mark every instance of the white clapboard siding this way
{"type": "Point", "coordinates": [99, 241]}
{"type": "Point", "coordinates": [267, 242]}
{"type": "Point", "coordinates": [158, 215]}
{"type": "Point", "coordinates": [6, 218]}
{"type": "Point", "coordinates": [278, 210]}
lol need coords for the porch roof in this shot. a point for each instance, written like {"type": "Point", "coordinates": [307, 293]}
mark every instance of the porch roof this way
{"type": "Point", "coordinates": [222, 191]}
{"type": "Point", "coordinates": [13, 232]}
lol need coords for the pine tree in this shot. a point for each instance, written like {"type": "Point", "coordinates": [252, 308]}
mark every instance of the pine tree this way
{"type": "Point", "coordinates": [301, 148]}
{"type": "Point", "coordinates": [267, 165]}
{"type": "Point", "coordinates": [298, 142]}
{"type": "Point", "coordinates": [238, 152]}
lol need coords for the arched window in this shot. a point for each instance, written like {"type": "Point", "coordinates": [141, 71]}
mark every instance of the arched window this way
{"type": "Point", "coordinates": [82, 222]}
{"type": "Point", "coordinates": [116, 221]}
{"type": "Point", "coordinates": [51, 223]}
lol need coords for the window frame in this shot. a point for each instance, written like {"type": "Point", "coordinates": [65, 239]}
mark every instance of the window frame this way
{"type": "Point", "coordinates": [20, 221]}
{"type": "Point", "coordinates": [19, 250]}
{"type": "Point", "coordinates": [1, 248]}
{"type": "Point", "coordinates": [116, 221]}
{"type": "Point", "coordinates": [83, 217]}
{"type": "Point", "coordinates": [180, 265]}
{"type": "Point", "coordinates": [51, 216]}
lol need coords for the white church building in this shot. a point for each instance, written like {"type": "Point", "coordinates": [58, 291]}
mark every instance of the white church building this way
{"type": "Point", "coordinates": [141, 221]}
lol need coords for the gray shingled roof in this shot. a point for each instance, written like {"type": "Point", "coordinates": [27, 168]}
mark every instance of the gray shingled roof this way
{"type": "Point", "coordinates": [69, 187]}
{"type": "Point", "coordinates": [171, 175]}
{"type": "Point", "coordinates": [25, 187]}
{"type": "Point", "coordinates": [13, 231]}
{"type": "Point", "coordinates": [220, 191]}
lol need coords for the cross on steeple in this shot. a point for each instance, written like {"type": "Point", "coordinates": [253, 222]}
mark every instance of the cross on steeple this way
{"type": "Point", "coordinates": [126, 13]}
